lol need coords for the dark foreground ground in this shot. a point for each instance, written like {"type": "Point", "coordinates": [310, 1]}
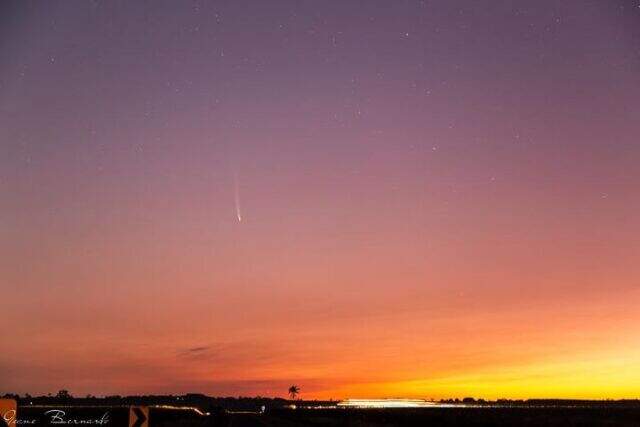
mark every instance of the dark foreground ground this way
{"type": "Point", "coordinates": [538, 417]}
{"type": "Point", "coordinates": [483, 416]}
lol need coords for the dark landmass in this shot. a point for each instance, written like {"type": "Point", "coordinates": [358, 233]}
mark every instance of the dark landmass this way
{"type": "Point", "coordinates": [207, 403]}
{"type": "Point", "coordinates": [202, 410]}
{"type": "Point", "coordinates": [534, 416]}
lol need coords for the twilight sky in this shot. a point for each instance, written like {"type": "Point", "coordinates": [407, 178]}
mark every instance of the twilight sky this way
{"type": "Point", "coordinates": [437, 198]}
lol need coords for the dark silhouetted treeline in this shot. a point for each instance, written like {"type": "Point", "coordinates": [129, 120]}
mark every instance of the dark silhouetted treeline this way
{"type": "Point", "coordinates": [200, 401]}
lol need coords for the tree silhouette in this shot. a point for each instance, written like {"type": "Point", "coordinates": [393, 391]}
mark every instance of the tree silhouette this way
{"type": "Point", "coordinates": [64, 394]}
{"type": "Point", "coordinates": [294, 390]}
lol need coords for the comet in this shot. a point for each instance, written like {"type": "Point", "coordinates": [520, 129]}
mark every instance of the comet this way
{"type": "Point", "coordinates": [237, 197]}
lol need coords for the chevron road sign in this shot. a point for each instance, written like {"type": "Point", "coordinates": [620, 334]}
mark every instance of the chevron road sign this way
{"type": "Point", "coordinates": [139, 416]}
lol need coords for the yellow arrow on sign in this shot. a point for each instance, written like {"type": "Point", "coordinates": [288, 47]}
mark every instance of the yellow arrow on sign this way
{"type": "Point", "coordinates": [8, 412]}
{"type": "Point", "coordinates": [139, 416]}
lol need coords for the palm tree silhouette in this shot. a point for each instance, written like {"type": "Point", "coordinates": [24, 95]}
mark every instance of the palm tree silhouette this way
{"type": "Point", "coordinates": [293, 391]}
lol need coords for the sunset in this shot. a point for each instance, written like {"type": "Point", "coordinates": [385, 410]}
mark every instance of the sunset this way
{"type": "Point", "coordinates": [418, 200]}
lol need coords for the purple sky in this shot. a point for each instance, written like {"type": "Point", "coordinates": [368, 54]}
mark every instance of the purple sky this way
{"type": "Point", "coordinates": [449, 165]}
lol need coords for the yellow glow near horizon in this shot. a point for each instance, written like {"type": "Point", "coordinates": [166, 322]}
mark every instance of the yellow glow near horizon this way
{"type": "Point", "coordinates": [595, 378]}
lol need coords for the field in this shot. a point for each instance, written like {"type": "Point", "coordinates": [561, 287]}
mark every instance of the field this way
{"type": "Point", "coordinates": [602, 415]}
{"type": "Point", "coordinates": [478, 417]}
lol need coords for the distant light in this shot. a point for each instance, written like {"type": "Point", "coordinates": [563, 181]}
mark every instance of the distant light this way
{"type": "Point", "coordinates": [384, 403]}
